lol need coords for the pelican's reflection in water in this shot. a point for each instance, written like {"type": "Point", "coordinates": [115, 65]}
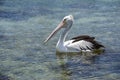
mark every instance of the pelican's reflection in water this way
{"type": "Point", "coordinates": [71, 63]}
{"type": "Point", "coordinates": [87, 58]}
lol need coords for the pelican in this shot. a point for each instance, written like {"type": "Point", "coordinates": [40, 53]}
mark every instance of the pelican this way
{"type": "Point", "coordinates": [83, 43]}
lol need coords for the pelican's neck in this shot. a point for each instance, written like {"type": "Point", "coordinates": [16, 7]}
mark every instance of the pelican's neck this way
{"type": "Point", "coordinates": [63, 36]}
{"type": "Point", "coordinates": [60, 45]}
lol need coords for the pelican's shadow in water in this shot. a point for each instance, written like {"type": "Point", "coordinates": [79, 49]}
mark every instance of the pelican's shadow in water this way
{"type": "Point", "coordinates": [70, 63]}
{"type": "Point", "coordinates": [83, 56]}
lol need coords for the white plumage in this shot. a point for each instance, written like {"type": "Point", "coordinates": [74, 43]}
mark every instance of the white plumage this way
{"type": "Point", "coordinates": [79, 45]}
{"type": "Point", "coordinates": [82, 43]}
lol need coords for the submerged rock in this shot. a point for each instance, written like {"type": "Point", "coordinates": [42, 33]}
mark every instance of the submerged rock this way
{"type": "Point", "coordinates": [4, 77]}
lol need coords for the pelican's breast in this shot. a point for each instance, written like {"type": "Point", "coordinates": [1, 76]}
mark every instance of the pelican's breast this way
{"type": "Point", "coordinates": [78, 46]}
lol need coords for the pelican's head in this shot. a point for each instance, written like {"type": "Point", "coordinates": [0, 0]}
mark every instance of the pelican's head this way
{"type": "Point", "coordinates": [66, 22]}
{"type": "Point", "coordinates": [68, 19]}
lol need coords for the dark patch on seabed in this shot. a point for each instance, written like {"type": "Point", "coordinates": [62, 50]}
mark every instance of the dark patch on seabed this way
{"type": "Point", "coordinates": [4, 77]}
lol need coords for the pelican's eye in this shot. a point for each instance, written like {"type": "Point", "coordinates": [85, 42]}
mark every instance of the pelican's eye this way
{"type": "Point", "coordinates": [64, 20]}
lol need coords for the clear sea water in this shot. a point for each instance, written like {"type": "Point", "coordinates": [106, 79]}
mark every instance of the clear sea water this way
{"type": "Point", "coordinates": [24, 25]}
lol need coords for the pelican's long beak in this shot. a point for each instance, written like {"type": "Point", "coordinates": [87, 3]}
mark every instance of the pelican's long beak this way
{"type": "Point", "coordinates": [61, 25]}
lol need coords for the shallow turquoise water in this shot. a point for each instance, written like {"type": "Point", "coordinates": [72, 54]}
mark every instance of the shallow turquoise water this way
{"type": "Point", "coordinates": [25, 24]}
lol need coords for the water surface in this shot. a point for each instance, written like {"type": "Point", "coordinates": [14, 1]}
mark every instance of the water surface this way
{"type": "Point", "coordinates": [25, 24]}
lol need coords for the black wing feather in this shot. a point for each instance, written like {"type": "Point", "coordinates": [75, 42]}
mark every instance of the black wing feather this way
{"type": "Point", "coordinates": [83, 37]}
{"type": "Point", "coordinates": [96, 45]}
